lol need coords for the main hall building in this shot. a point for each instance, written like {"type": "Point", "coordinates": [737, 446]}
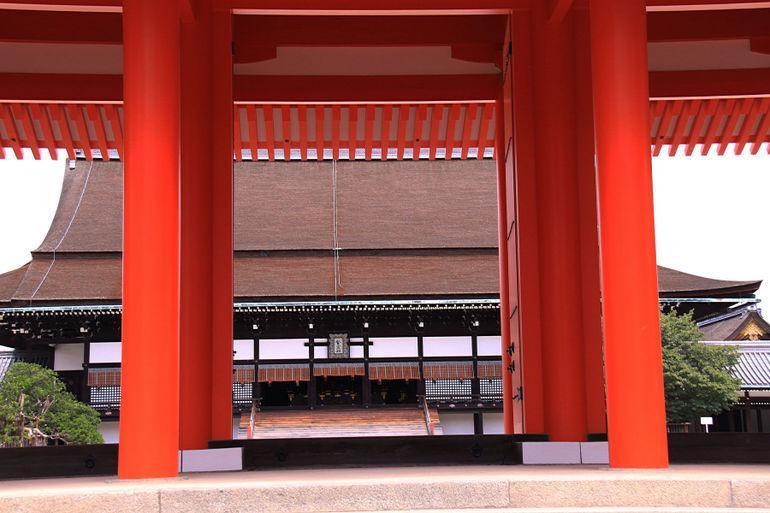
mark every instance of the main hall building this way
{"type": "Point", "coordinates": [359, 286]}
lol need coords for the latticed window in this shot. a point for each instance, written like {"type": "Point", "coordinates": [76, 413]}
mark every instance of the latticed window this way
{"type": "Point", "coordinates": [449, 390]}
{"type": "Point", "coordinates": [105, 398]}
{"type": "Point", "coordinates": [242, 393]}
{"type": "Point", "coordinates": [491, 389]}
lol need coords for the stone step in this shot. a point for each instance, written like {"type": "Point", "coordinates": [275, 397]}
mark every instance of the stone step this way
{"type": "Point", "coordinates": [487, 489]}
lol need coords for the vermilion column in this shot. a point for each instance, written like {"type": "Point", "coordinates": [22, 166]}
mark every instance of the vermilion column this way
{"type": "Point", "coordinates": [559, 227]}
{"type": "Point", "coordinates": [222, 224]}
{"type": "Point", "coordinates": [519, 119]}
{"type": "Point", "coordinates": [596, 412]}
{"type": "Point", "coordinates": [196, 232]}
{"type": "Point", "coordinates": [502, 238]}
{"type": "Point", "coordinates": [207, 261]}
{"type": "Point", "coordinates": [149, 424]}
{"type": "Point", "coordinates": [635, 404]}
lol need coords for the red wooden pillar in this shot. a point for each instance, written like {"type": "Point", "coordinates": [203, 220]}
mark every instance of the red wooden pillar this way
{"type": "Point", "coordinates": [596, 416]}
{"type": "Point", "coordinates": [558, 215]}
{"type": "Point", "coordinates": [222, 225]}
{"type": "Point", "coordinates": [519, 120]}
{"type": "Point", "coordinates": [635, 404]}
{"type": "Point", "coordinates": [502, 147]}
{"type": "Point", "coordinates": [206, 287]}
{"type": "Point", "coordinates": [149, 427]}
{"type": "Point", "coordinates": [196, 233]}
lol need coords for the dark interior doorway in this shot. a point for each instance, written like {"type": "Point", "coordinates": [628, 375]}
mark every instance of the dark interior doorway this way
{"type": "Point", "coordinates": [394, 391]}
{"type": "Point", "coordinates": [339, 390]}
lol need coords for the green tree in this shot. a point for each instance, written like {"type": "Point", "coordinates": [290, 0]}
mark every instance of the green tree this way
{"type": "Point", "coordinates": [697, 376]}
{"type": "Point", "coordinates": [35, 408]}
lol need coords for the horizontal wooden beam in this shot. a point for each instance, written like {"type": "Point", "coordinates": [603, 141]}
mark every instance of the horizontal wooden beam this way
{"type": "Point", "coordinates": [55, 88]}
{"type": "Point", "coordinates": [366, 89]}
{"type": "Point", "coordinates": [362, 89]}
{"type": "Point", "coordinates": [707, 25]}
{"type": "Point", "coordinates": [61, 27]}
{"type": "Point", "coordinates": [33, 87]}
{"type": "Point", "coordinates": [710, 83]}
{"type": "Point", "coordinates": [64, 5]}
{"type": "Point", "coordinates": [260, 35]}
{"type": "Point", "coordinates": [367, 30]}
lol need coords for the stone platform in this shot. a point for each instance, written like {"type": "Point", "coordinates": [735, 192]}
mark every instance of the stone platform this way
{"type": "Point", "coordinates": [702, 488]}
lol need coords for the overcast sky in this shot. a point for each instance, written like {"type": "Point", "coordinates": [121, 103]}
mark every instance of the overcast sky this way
{"type": "Point", "coordinates": [712, 214]}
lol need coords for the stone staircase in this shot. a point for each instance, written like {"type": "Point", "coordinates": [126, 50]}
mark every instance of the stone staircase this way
{"type": "Point", "coordinates": [339, 423]}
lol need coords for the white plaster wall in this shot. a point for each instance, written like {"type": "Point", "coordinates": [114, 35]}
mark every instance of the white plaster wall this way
{"type": "Point", "coordinates": [493, 423]}
{"type": "Point", "coordinates": [110, 430]}
{"type": "Point", "coordinates": [457, 423]}
{"type": "Point", "coordinates": [283, 348]}
{"type": "Point", "coordinates": [447, 346]}
{"type": "Point", "coordinates": [393, 347]}
{"type": "Point", "coordinates": [357, 351]}
{"type": "Point", "coordinates": [104, 352]}
{"type": "Point", "coordinates": [68, 357]}
{"type": "Point", "coordinates": [321, 352]}
{"type": "Point", "coordinates": [489, 346]}
{"type": "Point", "coordinates": [243, 349]}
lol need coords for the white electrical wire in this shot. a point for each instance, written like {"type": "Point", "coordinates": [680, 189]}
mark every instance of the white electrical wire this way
{"type": "Point", "coordinates": [64, 235]}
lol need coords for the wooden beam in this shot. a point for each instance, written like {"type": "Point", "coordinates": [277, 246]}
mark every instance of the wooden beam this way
{"type": "Point", "coordinates": [710, 83]}
{"type": "Point", "coordinates": [65, 5]}
{"type": "Point", "coordinates": [298, 30]}
{"type": "Point", "coordinates": [54, 88]}
{"type": "Point", "coordinates": [366, 89]}
{"type": "Point", "coordinates": [707, 25]}
{"type": "Point", "coordinates": [20, 26]}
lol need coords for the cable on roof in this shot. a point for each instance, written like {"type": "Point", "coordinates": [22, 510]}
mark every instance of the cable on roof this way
{"type": "Point", "coordinates": [64, 235]}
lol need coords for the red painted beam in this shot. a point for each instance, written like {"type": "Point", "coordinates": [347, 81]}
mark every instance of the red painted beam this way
{"type": "Point", "coordinates": [707, 25]}
{"type": "Point", "coordinates": [65, 5]}
{"type": "Point", "coordinates": [61, 27]}
{"type": "Point", "coordinates": [694, 5]}
{"type": "Point", "coordinates": [430, 6]}
{"type": "Point", "coordinates": [297, 30]}
{"type": "Point", "coordinates": [709, 83]}
{"type": "Point", "coordinates": [43, 87]}
{"type": "Point", "coordinates": [374, 6]}
{"type": "Point", "coordinates": [366, 89]}
{"type": "Point", "coordinates": [371, 89]}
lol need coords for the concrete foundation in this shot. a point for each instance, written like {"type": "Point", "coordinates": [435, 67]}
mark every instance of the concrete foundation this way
{"type": "Point", "coordinates": [680, 489]}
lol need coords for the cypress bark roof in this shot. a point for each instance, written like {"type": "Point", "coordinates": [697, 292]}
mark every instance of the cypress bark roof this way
{"type": "Point", "coordinates": [418, 229]}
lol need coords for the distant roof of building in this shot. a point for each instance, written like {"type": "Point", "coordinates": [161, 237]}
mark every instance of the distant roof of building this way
{"type": "Point", "coordinates": [405, 229]}
{"type": "Point", "coordinates": [673, 283]}
{"type": "Point", "coordinates": [742, 324]}
{"type": "Point", "coordinates": [753, 367]}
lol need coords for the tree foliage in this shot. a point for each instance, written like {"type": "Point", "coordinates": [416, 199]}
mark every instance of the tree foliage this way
{"type": "Point", "coordinates": [36, 408]}
{"type": "Point", "coordinates": [697, 376]}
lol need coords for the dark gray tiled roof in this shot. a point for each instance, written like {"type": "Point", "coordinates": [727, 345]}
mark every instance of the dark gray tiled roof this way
{"type": "Point", "coordinates": [753, 367]}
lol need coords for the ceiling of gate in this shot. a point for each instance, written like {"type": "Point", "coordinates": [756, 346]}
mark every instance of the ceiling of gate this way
{"type": "Point", "coordinates": [371, 87]}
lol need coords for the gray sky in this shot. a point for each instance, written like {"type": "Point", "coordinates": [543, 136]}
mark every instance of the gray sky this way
{"type": "Point", "coordinates": [712, 214]}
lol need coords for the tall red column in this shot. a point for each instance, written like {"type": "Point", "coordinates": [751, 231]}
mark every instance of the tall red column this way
{"type": "Point", "coordinates": [558, 216]}
{"type": "Point", "coordinates": [596, 416]}
{"type": "Point", "coordinates": [635, 404]}
{"type": "Point", "coordinates": [206, 192]}
{"type": "Point", "coordinates": [519, 125]}
{"type": "Point", "coordinates": [196, 233]}
{"type": "Point", "coordinates": [149, 427]}
{"type": "Point", "coordinates": [222, 225]}
{"type": "Point", "coordinates": [501, 157]}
